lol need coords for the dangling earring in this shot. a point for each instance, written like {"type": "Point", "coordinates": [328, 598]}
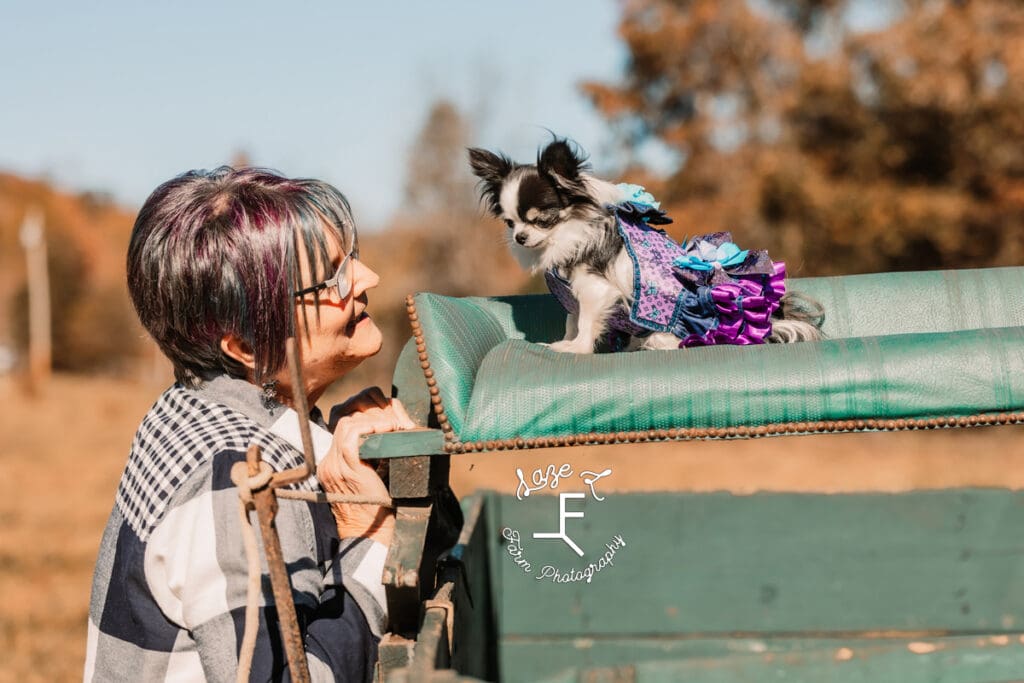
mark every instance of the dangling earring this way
{"type": "Point", "coordinates": [269, 395]}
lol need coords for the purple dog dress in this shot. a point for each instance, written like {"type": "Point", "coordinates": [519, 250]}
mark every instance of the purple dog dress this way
{"type": "Point", "coordinates": [706, 291]}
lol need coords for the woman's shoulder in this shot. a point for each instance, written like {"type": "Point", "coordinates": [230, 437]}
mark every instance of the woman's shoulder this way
{"type": "Point", "coordinates": [185, 446]}
{"type": "Point", "coordinates": [183, 418]}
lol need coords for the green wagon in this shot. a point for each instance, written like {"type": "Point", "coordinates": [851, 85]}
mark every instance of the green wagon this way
{"type": "Point", "coordinates": [920, 585]}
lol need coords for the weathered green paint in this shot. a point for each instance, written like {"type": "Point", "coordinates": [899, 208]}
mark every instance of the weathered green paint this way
{"type": "Point", "coordinates": [961, 659]}
{"type": "Point", "coordinates": [403, 444]}
{"type": "Point", "coordinates": [431, 651]}
{"type": "Point", "coordinates": [410, 386]}
{"type": "Point", "coordinates": [462, 574]}
{"type": "Point", "coordinates": [913, 587]}
{"type": "Point", "coordinates": [394, 652]}
{"type": "Point", "coordinates": [475, 645]}
{"type": "Point", "coordinates": [719, 564]}
{"type": "Point", "coordinates": [409, 477]}
{"type": "Point", "coordinates": [401, 577]}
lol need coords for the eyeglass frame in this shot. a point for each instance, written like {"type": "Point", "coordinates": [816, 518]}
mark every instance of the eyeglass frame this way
{"type": "Point", "coordinates": [345, 265]}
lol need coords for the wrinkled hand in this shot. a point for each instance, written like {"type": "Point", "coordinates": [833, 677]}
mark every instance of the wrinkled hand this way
{"type": "Point", "coordinates": [341, 471]}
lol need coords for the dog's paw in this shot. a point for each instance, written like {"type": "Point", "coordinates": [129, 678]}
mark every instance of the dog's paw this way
{"type": "Point", "coordinates": [659, 341]}
{"type": "Point", "coordinates": [569, 346]}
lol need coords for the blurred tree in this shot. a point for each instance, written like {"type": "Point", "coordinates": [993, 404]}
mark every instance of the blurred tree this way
{"type": "Point", "coordinates": [438, 178]}
{"type": "Point", "coordinates": [240, 159]}
{"type": "Point", "coordinates": [93, 325]}
{"type": "Point", "coordinates": [457, 251]}
{"type": "Point", "coordinates": [94, 328]}
{"type": "Point", "coordinates": [439, 242]}
{"type": "Point", "coordinates": [843, 150]}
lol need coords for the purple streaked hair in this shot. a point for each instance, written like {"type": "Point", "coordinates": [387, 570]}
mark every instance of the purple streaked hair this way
{"type": "Point", "coordinates": [214, 253]}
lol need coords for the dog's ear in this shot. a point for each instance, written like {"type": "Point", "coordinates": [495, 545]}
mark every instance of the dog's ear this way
{"type": "Point", "coordinates": [491, 169]}
{"type": "Point", "coordinates": [488, 166]}
{"type": "Point", "coordinates": [561, 163]}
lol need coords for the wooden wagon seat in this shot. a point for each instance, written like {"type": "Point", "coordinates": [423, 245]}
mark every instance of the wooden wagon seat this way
{"type": "Point", "coordinates": [904, 350]}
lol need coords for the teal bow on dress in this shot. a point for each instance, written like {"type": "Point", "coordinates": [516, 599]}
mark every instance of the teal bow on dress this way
{"type": "Point", "coordinates": [638, 195]}
{"type": "Point", "coordinates": [705, 256]}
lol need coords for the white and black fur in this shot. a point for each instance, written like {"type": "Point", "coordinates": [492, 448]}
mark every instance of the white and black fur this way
{"type": "Point", "coordinates": [557, 218]}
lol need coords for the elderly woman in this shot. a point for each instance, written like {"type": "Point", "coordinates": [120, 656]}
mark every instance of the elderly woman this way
{"type": "Point", "coordinates": [217, 264]}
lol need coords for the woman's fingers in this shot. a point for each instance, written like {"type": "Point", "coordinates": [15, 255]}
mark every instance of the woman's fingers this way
{"type": "Point", "coordinates": [376, 394]}
{"type": "Point", "coordinates": [342, 471]}
{"type": "Point", "coordinates": [368, 412]}
{"type": "Point", "coordinates": [348, 433]}
{"type": "Point", "coordinates": [404, 421]}
{"type": "Point", "coordinates": [371, 397]}
{"type": "Point", "coordinates": [349, 443]}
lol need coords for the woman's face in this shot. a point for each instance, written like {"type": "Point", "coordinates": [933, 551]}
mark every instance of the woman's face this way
{"type": "Point", "coordinates": [341, 335]}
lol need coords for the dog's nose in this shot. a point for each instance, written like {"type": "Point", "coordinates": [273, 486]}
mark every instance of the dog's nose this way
{"type": "Point", "coordinates": [521, 237]}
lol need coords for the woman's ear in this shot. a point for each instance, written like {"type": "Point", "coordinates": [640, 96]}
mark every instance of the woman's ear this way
{"type": "Point", "coordinates": [238, 349]}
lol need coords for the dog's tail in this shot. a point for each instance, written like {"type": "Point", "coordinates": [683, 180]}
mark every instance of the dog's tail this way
{"type": "Point", "coordinates": [799, 318]}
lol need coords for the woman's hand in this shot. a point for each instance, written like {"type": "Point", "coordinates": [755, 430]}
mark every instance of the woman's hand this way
{"type": "Point", "coordinates": [341, 471]}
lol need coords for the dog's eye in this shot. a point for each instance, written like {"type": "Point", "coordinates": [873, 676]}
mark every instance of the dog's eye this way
{"type": "Point", "coordinates": [510, 223]}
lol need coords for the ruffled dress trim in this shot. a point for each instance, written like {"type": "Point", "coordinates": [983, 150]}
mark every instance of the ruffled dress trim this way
{"type": "Point", "coordinates": [745, 307]}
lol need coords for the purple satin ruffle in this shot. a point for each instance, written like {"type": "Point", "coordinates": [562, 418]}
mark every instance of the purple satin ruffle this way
{"type": "Point", "coordinates": [745, 306]}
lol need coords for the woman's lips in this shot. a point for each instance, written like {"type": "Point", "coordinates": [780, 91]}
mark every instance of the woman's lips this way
{"type": "Point", "coordinates": [357, 320]}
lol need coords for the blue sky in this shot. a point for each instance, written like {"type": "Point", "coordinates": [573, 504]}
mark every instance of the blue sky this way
{"type": "Point", "coordinates": [120, 96]}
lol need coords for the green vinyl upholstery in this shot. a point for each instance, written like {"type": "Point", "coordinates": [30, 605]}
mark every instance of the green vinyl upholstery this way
{"type": "Point", "coordinates": [900, 345]}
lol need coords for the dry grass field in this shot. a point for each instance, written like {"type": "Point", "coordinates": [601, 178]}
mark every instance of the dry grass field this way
{"type": "Point", "coordinates": [61, 454]}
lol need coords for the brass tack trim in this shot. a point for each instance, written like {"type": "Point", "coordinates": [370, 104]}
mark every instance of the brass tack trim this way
{"type": "Point", "coordinates": [823, 426]}
{"type": "Point", "coordinates": [452, 444]}
{"type": "Point", "coordinates": [701, 433]}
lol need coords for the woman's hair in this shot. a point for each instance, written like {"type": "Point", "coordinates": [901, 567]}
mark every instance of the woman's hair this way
{"type": "Point", "coordinates": [214, 253]}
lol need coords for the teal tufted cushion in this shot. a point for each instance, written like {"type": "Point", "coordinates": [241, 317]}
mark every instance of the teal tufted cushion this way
{"type": "Point", "coordinates": [942, 343]}
{"type": "Point", "coordinates": [929, 301]}
{"type": "Point", "coordinates": [526, 390]}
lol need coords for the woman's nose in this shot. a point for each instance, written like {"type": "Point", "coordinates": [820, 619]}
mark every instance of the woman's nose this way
{"type": "Point", "coordinates": [364, 278]}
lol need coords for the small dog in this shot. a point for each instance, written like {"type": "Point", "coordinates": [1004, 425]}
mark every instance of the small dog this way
{"type": "Point", "coordinates": [585, 235]}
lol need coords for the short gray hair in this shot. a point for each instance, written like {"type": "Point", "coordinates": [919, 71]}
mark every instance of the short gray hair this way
{"type": "Point", "coordinates": [214, 253]}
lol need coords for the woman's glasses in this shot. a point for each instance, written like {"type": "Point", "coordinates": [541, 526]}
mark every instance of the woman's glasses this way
{"type": "Point", "coordinates": [339, 286]}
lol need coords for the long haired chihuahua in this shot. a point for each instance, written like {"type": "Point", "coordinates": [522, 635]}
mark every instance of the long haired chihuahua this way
{"type": "Point", "coordinates": [624, 283]}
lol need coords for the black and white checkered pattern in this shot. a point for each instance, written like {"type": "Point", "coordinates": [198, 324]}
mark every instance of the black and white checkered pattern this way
{"type": "Point", "coordinates": [181, 432]}
{"type": "Point", "coordinates": [170, 590]}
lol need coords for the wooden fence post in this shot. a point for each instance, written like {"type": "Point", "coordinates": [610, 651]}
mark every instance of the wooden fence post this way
{"type": "Point", "coordinates": [40, 358]}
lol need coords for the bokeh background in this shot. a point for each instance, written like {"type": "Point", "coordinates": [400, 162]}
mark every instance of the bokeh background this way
{"type": "Point", "coordinates": [845, 136]}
